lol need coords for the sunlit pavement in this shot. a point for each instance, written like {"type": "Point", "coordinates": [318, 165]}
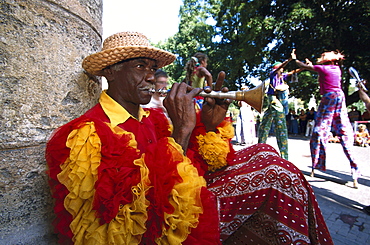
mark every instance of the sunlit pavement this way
{"type": "Point", "coordinates": [340, 203]}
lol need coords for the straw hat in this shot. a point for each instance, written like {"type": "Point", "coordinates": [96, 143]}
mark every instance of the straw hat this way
{"type": "Point", "coordinates": [329, 56]}
{"type": "Point", "coordinates": [123, 46]}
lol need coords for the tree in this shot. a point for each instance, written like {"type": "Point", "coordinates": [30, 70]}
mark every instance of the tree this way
{"type": "Point", "coordinates": [194, 35]}
{"type": "Point", "coordinates": [265, 31]}
{"type": "Point", "coordinates": [251, 35]}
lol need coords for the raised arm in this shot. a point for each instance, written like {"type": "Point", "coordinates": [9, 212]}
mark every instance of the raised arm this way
{"type": "Point", "coordinates": [282, 65]}
{"type": "Point", "coordinates": [295, 71]}
{"type": "Point", "coordinates": [305, 66]}
{"type": "Point", "coordinates": [204, 72]}
{"type": "Point", "coordinates": [364, 97]}
{"type": "Point", "coordinates": [214, 110]}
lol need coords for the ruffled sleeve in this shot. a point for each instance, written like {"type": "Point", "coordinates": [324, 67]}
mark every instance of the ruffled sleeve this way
{"type": "Point", "coordinates": [63, 175]}
{"type": "Point", "coordinates": [175, 198]}
{"type": "Point", "coordinates": [93, 202]}
{"type": "Point", "coordinates": [108, 192]}
{"type": "Point", "coordinates": [211, 150]}
{"type": "Point", "coordinates": [78, 174]}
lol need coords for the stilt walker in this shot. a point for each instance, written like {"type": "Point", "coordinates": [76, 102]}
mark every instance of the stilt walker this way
{"type": "Point", "coordinates": [331, 111]}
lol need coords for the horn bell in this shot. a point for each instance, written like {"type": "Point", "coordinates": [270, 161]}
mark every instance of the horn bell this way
{"type": "Point", "coordinates": [253, 97]}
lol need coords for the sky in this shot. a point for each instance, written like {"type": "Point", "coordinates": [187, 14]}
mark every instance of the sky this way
{"type": "Point", "coordinates": [156, 19]}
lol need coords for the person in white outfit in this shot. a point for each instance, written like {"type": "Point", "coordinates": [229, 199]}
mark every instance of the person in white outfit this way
{"type": "Point", "coordinates": [245, 123]}
{"type": "Point", "coordinates": [161, 83]}
{"type": "Point", "coordinates": [310, 122]}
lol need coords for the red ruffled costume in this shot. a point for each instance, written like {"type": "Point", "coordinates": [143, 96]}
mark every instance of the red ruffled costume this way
{"type": "Point", "coordinates": [131, 184]}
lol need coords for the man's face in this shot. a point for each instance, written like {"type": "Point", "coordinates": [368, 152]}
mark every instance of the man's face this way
{"type": "Point", "coordinates": [161, 83]}
{"type": "Point", "coordinates": [131, 78]}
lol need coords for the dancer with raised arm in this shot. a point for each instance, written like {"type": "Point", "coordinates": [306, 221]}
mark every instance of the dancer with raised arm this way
{"type": "Point", "coordinates": [331, 111]}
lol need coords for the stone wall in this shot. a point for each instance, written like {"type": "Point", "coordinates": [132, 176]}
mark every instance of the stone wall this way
{"type": "Point", "coordinates": [42, 86]}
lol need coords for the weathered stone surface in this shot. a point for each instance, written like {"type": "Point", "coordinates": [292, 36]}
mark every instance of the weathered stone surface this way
{"type": "Point", "coordinates": [42, 86]}
{"type": "Point", "coordinates": [25, 200]}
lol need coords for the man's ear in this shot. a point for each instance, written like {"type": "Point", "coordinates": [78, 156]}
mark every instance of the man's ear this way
{"type": "Point", "coordinates": [108, 74]}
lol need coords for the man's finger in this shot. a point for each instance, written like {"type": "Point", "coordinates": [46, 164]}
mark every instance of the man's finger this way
{"type": "Point", "coordinates": [179, 89]}
{"type": "Point", "coordinates": [220, 81]}
{"type": "Point", "coordinates": [194, 91]}
{"type": "Point", "coordinates": [173, 90]}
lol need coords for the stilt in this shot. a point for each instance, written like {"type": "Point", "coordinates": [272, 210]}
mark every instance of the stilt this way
{"type": "Point", "coordinates": [355, 184]}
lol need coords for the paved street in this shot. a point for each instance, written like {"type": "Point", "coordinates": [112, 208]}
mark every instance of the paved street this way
{"type": "Point", "coordinates": [340, 203]}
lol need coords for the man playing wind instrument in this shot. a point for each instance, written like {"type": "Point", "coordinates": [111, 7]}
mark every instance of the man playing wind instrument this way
{"type": "Point", "coordinates": [121, 175]}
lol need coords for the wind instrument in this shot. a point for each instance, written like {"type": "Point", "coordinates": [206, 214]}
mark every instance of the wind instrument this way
{"type": "Point", "coordinates": [253, 97]}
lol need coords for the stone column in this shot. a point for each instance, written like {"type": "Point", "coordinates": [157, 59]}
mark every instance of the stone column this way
{"type": "Point", "coordinates": [42, 86]}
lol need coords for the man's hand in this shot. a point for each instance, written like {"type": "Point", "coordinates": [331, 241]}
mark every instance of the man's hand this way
{"type": "Point", "coordinates": [214, 110]}
{"type": "Point", "coordinates": [180, 108]}
{"type": "Point", "coordinates": [363, 96]}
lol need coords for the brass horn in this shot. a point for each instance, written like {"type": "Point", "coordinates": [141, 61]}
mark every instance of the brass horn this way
{"type": "Point", "coordinates": [253, 97]}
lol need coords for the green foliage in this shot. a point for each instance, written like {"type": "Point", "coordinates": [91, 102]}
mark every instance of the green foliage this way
{"type": "Point", "coordinates": [194, 35]}
{"type": "Point", "coordinates": [306, 86]}
{"type": "Point", "coordinates": [250, 35]}
{"type": "Point", "coordinates": [360, 106]}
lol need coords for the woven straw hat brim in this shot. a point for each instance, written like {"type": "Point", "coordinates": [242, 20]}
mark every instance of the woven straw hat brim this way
{"type": "Point", "coordinates": [95, 63]}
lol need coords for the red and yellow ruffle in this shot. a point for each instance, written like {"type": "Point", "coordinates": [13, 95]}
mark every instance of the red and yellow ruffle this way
{"type": "Point", "coordinates": [113, 195]}
{"type": "Point", "coordinates": [214, 147]}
